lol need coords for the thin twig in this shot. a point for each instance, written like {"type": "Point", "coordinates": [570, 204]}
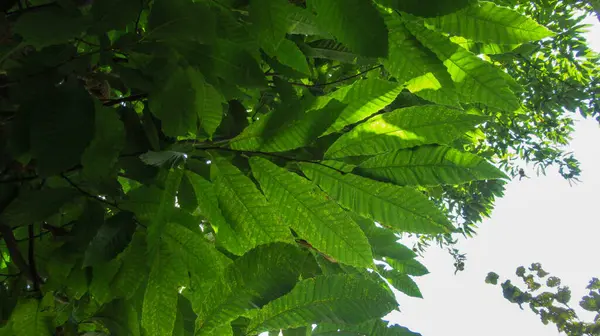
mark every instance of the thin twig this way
{"type": "Point", "coordinates": [135, 97]}
{"type": "Point", "coordinates": [339, 80]}
{"type": "Point", "coordinates": [32, 268]}
{"type": "Point", "coordinates": [97, 198]}
{"type": "Point", "coordinates": [287, 158]}
{"type": "Point", "coordinates": [10, 275]}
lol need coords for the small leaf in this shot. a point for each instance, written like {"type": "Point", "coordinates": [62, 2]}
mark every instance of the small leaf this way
{"type": "Point", "coordinates": [111, 239]}
{"type": "Point", "coordinates": [344, 298]}
{"type": "Point", "coordinates": [401, 282]}
{"type": "Point", "coordinates": [429, 165]}
{"type": "Point", "coordinates": [408, 266]}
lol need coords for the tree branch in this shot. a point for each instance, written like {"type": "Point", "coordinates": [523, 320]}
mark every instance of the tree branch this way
{"type": "Point", "coordinates": [131, 98]}
{"type": "Point", "coordinates": [97, 198]}
{"type": "Point", "coordinates": [339, 80]}
{"type": "Point", "coordinates": [32, 268]}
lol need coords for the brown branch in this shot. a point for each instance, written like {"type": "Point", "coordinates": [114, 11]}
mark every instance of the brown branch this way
{"type": "Point", "coordinates": [32, 268]}
{"type": "Point", "coordinates": [97, 198]}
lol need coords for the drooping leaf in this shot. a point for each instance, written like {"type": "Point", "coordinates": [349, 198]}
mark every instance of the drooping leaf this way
{"type": "Point", "coordinates": [401, 282]}
{"type": "Point", "coordinates": [408, 266]}
{"type": "Point", "coordinates": [244, 207]}
{"type": "Point", "coordinates": [182, 20]}
{"type": "Point", "coordinates": [476, 80]}
{"type": "Point", "coordinates": [356, 23]}
{"type": "Point", "coordinates": [317, 219]}
{"type": "Point", "coordinates": [375, 327]}
{"type": "Point", "coordinates": [257, 277]}
{"type": "Point", "coordinates": [57, 142]}
{"type": "Point", "coordinates": [364, 98]}
{"type": "Point", "coordinates": [288, 53]}
{"type": "Point", "coordinates": [401, 208]}
{"type": "Point", "coordinates": [36, 205]}
{"type": "Point", "coordinates": [49, 26]}
{"type": "Point", "coordinates": [111, 239]}
{"type": "Point", "coordinates": [102, 154]}
{"type": "Point", "coordinates": [487, 22]}
{"type": "Point", "coordinates": [404, 128]}
{"type": "Point", "coordinates": [383, 241]}
{"type": "Point", "coordinates": [344, 298]}
{"type": "Point", "coordinates": [28, 319]}
{"type": "Point", "coordinates": [288, 128]}
{"type": "Point", "coordinates": [167, 275]}
{"type": "Point", "coordinates": [429, 165]}
{"type": "Point", "coordinates": [426, 8]}
{"type": "Point", "coordinates": [207, 202]}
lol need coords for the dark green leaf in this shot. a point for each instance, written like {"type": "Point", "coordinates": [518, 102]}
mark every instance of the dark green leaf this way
{"type": "Point", "coordinates": [111, 239]}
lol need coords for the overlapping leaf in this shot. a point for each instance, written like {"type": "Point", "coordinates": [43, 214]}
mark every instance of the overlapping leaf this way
{"type": "Point", "coordinates": [488, 22]}
{"type": "Point", "coordinates": [429, 165]}
{"type": "Point", "coordinates": [375, 327]}
{"type": "Point", "coordinates": [317, 219]}
{"type": "Point", "coordinates": [401, 208]}
{"type": "Point", "coordinates": [404, 128]}
{"type": "Point", "coordinates": [347, 299]}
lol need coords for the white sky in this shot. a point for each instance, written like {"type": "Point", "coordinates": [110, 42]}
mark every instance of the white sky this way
{"type": "Point", "coordinates": [541, 219]}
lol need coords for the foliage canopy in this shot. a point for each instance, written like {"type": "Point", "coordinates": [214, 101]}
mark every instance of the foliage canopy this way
{"type": "Point", "coordinates": [217, 167]}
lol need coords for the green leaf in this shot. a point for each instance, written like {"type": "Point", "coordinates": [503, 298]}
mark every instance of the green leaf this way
{"type": "Point", "coordinates": [269, 21]}
{"type": "Point", "coordinates": [56, 141]}
{"type": "Point", "coordinates": [167, 275]}
{"type": "Point", "coordinates": [355, 23]}
{"type": "Point", "coordinates": [114, 14]}
{"type": "Point", "coordinates": [111, 239]}
{"type": "Point", "coordinates": [429, 165]}
{"type": "Point", "coordinates": [184, 99]}
{"type": "Point", "coordinates": [206, 198]}
{"type": "Point", "coordinates": [344, 298]}
{"type": "Point", "coordinates": [259, 276]}
{"type": "Point", "coordinates": [302, 331]}
{"type": "Point", "coordinates": [120, 318]}
{"type": "Point", "coordinates": [401, 282]}
{"type": "Point", "coordinates": [311, 214]}
{"type": "Point", "coordinates": [288, 53]}
{"type": "Point", "coordinates": [102, 154]}
{"type": "Point", "coordinates": [244, 207]}
{"type": "Point", "coordinates": [426, 8]}
{"type": "Point", "coordinates": [383, 241]}
{"type": "Point", "coordinates": [332, 50]}
{"type": "Point", "coordinates": [37, 205]}
{"type": "Point", "coordinates": [401, 208]}
{"type": "Point", "coordinates": [133, 270]}
{"type": "Point", "coordinates": [375, 327]}
{"type": "Point", "coordinates": [185, 323]}
{"type": "Point", "coordinates": [408, 58]}
{"type": "Point", "coordinates": [404, 128]}
{"type": "Point", "coordinates": [181, 20]}
{"type": "Point", "coordinates": [364, 98]}
{"type": "Point", "coordinates": [488, 22]}
{"type": "Point", "coordinates": [28, 319]}
{"type": "Point", "coordinates": [409, 266]}
{"type": "Point", "coordinates": [49, 26]}
{"type": "Point", "coordinates": [475, 79]}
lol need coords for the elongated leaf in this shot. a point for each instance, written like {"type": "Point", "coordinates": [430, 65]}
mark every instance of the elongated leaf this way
{"type": "Point", "coordinates": [288, 53]}
{"type": "Point", "coordinates": [402, 208]}
{"type": "Point", "coordinates": [426, 8]}
{"type": "Point", "coordinates": [408, 58]}
{"type": "Point", "coordinates": [102, 154]}
{"type": "Point", "coordinates": [112, 238]}
{"type": "Point", "coordinates": [28, 319]}
{"type": "Point", "coordinates": [488, 22]}
{"type": "Point", "coordinates": [429, 165]}
{"type": "Point", "coordinates": [365, 98]}
{"type": "Point", "coordinates": [318, 220]}
{"type": "Point", "coordinates": [335, 299]}
{"type": "Point", "coordinates": [476, 80]}
{"type": "Point", "coordinates": [409, 266]}
{"type": "Point", "coordinates": [259, 276]}
{"type": "Point", "coordinates": [133, 268]}
{"type": "Point", "coordinates": [401, 282]}
{"type": "Point", "coordinates": [208, 204]}
{"type": "Point", "coordinates": [269, 21]}
{"type": "Point", "coordinates": [167, 274]}
{"type": "Point", "coordinates": [375, 327]}
{"type": "Point", "coordinates": [404, 128]}
{"type": "Point", "coordinates": [208, 104]}
{"type": "Point", "coordinates": [36, 205]}
{"type": "Point", "coordinates": [330, 49]}
{"type": "Point", "coordinates": [181, 20]}
{"type": "Point", "coordinates": [383, 241]}
{"type": "Point", "coordinates": [287, 128]}
{"type": "Point", "coordinates": [244, 207]}
{"type": "Point", "coordinates": [356, 23]}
